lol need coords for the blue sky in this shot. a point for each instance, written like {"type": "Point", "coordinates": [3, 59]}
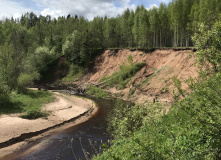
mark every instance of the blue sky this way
{"type": "Point", "coordinates": [86, 8]}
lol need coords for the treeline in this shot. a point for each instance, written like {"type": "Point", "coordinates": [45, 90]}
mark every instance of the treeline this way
{"type": "Point", "coordinates": [169, 25]}
{"type": "Point", "coordinates": [29, 44]}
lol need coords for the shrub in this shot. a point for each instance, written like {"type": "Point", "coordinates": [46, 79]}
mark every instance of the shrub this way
{"type": "Point", "coordinates": [124, 121]}
{"type": "Point", "coordinates": [42, 57]}
{"type": "Point", "coordinates": [131, 92]}
{"type": "Point", "coordinates": [208, 45]}
{"type": "Point", "coordinates": [34, 114]}
{"type": "Point", "coordinates": [164, 90]}
{"type": "Point", "coordinates": [74, 72]}
{"type": "Point", "coordinates": [130, 59]}
{"type": "Point", "coordinates": [4, 96]}
{"type": "Point", "coordinates": [97, 92]}
{"type": "Point", "coordinates": [23, 81]}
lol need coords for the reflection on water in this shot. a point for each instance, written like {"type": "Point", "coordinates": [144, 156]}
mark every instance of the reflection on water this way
{"type": "Point", "coordinates": [78, 142]}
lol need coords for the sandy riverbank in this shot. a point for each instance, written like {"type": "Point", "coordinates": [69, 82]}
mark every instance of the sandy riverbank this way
{"type": "Point", "coordinates": [64, 108]}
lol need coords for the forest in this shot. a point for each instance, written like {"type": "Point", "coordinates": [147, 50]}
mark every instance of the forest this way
{"type": "Point", "coordinates": [192, 128]}
{"type": "Point", "coordinates": [29, 44]}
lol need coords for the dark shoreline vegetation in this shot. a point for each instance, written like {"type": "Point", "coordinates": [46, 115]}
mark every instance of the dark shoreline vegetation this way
{"type": "Point", "coordinates": [42, 50]}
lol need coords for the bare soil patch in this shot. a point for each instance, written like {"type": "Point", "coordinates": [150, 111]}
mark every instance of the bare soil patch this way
{"type": "Point", "coordinates": [153, 79]}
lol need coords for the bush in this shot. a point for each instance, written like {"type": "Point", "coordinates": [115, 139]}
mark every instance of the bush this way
{"type": "Point", "coordinates": [97, 92]}
{"type": "Point", "coordinates": [34, 114]}
{"type": "Point", "coordinates": [208, 46]}
{"type": "Point", "coordinates": [123, 121]}
{"type": "Point", "coordinates": [74, 72]}
{"type": "Point", "coordinates": [130, 59]}
{"type": "Point", "coordinates": [42, 57]}
{"type": "Point", "coordinates": [72, 48]}
{"type": "Point", "coordinates": [23, 81]}
{"type": "Point", "coordinates": [4, 96]}
{"type": "Point", "coordinates": [131, 92]}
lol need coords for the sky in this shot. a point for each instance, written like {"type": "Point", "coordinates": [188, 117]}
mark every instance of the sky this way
{"type": "Point", "coordinates": [87, 8]}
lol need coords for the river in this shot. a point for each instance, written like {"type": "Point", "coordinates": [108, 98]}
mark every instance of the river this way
{"type": "Point", "coordinates": [79, 142]}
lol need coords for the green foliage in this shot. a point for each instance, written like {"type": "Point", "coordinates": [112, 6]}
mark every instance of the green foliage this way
{"type": "Point", "coordinates": [123, 76]}
{"type": "Point", "coordinates": [208, 45]}
{"type": "Point", "coordinates": [28, 102]}
{"type": "Point", "coordinates": [17, 71]}
{"type": "Point", "coordinates": [130, 59]}
{"type": "Point", "coordinates": [34, 114]}
{"type": "Point", "coordinates": [97, 92]}
{"type": "Point", "coordinates": [177, 84]}
{"type": "Point", "coordinates": [74, 72]}
{"type": "Point", "coordinates": [124, 121]}
{"type": "Point", "coordinates": [191, 130]}
{"type": "Point", "coordinates": [164, 90]}
{"type": "Point", "coordinates": [71, 48]}
{"type": "Point", "coordinates": [80, 48]}
{"type": "Point", "coordinates": [10, 66]}
{"type": "Point", "coordinates": [42, 57]}
{"type": "Point", "coordinates": [4, 96]}
{"type": "Point", "coordinates": [24, 80]}
{"type": "Point", "coordinates": [131, 92]}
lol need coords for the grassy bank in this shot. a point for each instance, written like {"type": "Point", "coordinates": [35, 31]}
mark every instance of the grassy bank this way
{"type": "Point", "coordinates": [29, 103]}
{"type": "Point", "coordinates": [123, 76]}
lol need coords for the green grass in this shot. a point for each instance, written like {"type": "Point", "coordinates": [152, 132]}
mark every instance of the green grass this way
{"type": "Point", "coordinates": [164, 90]}
{"type": "Point", "coordinates": [74, 73]}
{"type": "Point", "coordinates": [34, 114]}
{"type": "Point", "coordinates": [131, 92]}
{"type": "Point", "coordinates": [145, 81]}
{"type": "Point", "coordinates": [97, 92]}
{"type": "Point", "coordinates": [123, 76]}
{"type": "Point", "coordinates": [159, 70]}
{"type": "Point", "coordinates": [29, 103]}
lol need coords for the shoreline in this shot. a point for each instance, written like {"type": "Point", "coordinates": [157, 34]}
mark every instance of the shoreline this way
{"type": "Point", "coordinates": [62, 121]}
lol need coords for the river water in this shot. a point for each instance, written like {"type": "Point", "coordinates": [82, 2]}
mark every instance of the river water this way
{"type": "Point", "coordinates": [79, 142]}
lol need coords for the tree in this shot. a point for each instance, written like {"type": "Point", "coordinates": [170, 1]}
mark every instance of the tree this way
{"type": "Point", "coordinates": [164, 25]}
{"type": "Point", "coordinates": [110, 33]}
{"type": "Point", "coordinates": [208, 45]}
{"type": "Point", "coordinates": [154, 25]}
{"type": "Point", "coordinates": [136, 27]}
{"type": "Point", "coordinates": [72, 46]}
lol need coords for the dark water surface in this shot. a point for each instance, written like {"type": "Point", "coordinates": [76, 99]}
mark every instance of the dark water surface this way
{"type": "Point", "coordinates": [78, 142]}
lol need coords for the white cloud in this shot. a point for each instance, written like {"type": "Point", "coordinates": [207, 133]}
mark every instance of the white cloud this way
{"type": "Point", "coordinates": [52, 13]}
{"type": "Point", "coordinates": [10, 8]}
{"type": "Point", "coordinates": [165, 1]}
{"type": "Point", "coordinates": [86, 8]}
{"type": "Point", "coordinates": [17, 15]}
{"type": "Point", "coordinates": [152, 6]}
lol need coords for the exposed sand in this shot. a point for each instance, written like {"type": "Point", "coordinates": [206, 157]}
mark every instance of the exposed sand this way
{"type": "Point", "coordinates": [63, 109]}
{"type": "Point", "coordinates": [161, 66]}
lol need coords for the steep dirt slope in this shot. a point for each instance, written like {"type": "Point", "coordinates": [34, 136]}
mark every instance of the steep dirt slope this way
{"type": "Point", "coordinates": [153, 79]}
